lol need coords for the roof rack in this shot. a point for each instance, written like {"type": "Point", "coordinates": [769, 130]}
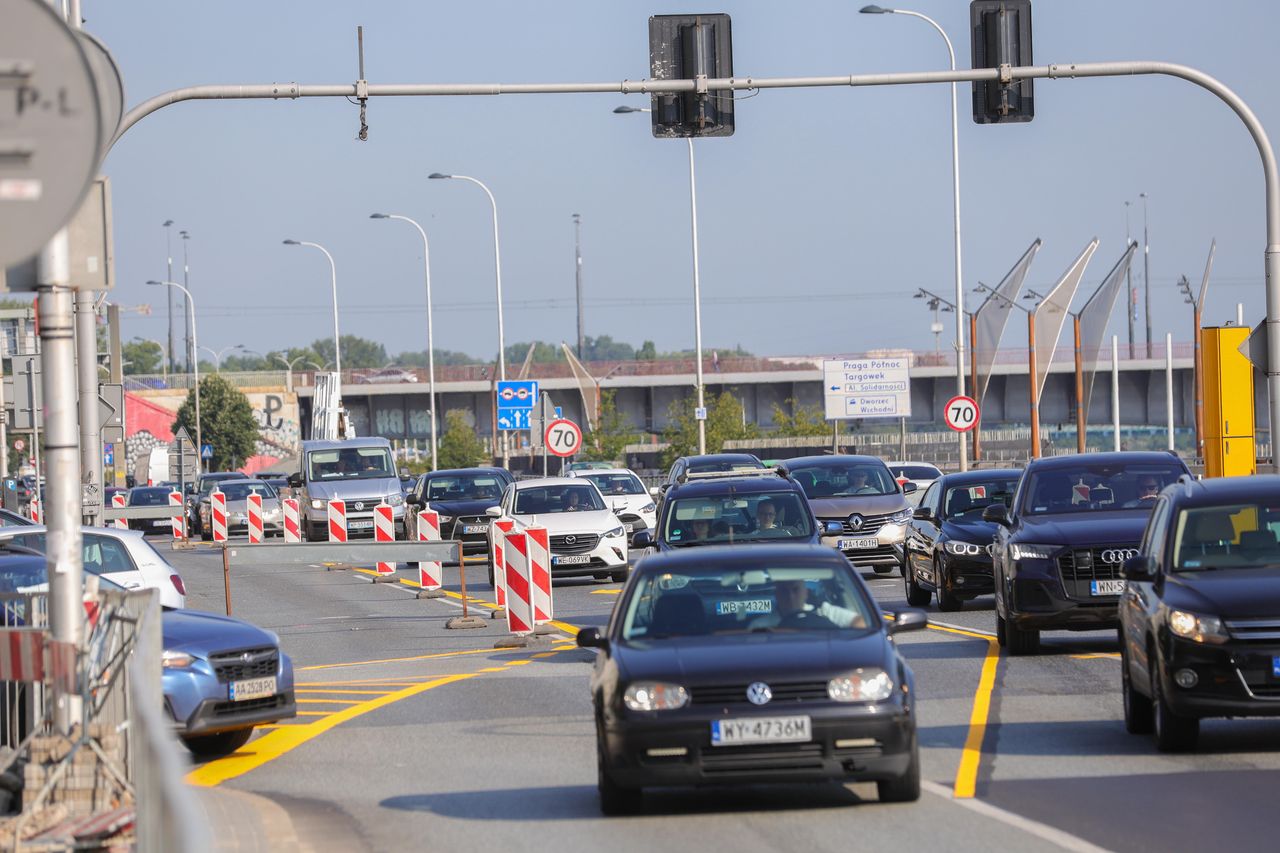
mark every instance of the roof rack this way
{"type": "Point", "coordinates": [738, 472]}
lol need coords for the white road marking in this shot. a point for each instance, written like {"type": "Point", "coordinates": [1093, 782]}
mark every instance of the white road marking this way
{"type": "Point", "coordinates": [1053, 835]}
{"type": "Point", "coordinates": [933, 621]}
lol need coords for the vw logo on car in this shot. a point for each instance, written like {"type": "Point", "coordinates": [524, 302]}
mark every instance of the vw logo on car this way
{"type": "Point", "coordinates": [359, 505]}
{"type": "Point", "coordinates": [759, 693]}
{"type": "Point", "coordinates": [1116, 556]}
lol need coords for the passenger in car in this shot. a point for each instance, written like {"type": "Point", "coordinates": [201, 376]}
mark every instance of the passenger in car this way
{"type": "Point", "coordinates": [793, 608]}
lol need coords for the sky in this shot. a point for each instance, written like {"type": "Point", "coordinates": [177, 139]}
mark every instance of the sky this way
{"type": "Point", "coordinates": [818, 219]}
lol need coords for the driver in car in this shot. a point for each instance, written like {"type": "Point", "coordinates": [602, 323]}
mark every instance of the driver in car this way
{"type": "Point", "coordinates": [858, 483]}
{"type": "Point", "coordinates": [795, 611]}
{"type": "Point", "coordinates": [1148, 491]}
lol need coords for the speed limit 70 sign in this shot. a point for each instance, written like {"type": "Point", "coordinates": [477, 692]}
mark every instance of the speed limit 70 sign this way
{"type": "Point", "coordinates": [961, 413]}
{"type": "Point", "coordinates": [563, 437]}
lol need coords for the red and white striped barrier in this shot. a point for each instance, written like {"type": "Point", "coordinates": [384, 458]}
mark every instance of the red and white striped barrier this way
{"type": "Point", "coordinates": [254, 503]}
{"type": "Point", "coordinates": [218, 515]}
{"type": "Point", "coordinates": [337, 521]}
{"type": "Point", "coordinates": [179, 517]}
{"type": "Point", "coordinates": [500, 527]}
{"type": "Point", "coordinates": [515, 557]}
{"type": "Point", "coordinates": [384, 530]}
{"type": "Point", "coordinates": [540, 573]}
{"type": "Point", "coordinates": [117, 502]}
{"type": "Point", "coordinates": [430, 573]}
{"type": "Point", "coordinates": [27, 654]}
{"type": "Point", "coordinates": [292, 520]}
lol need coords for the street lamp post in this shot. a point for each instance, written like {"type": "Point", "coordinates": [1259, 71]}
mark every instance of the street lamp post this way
{"type": "Point", "coordinates": [168, 250]}
{"type": "Point", "coordinates": [195, 364]}
{"type": "Point", "coordinates": [333, 280]}
{"type": "Point", "coordinates": [289, 366]}
{"type": "Point", "coordinates": [218, 354]}
{"type": "Point", "coordinates": [697, 289]}
{"type": "Point", "coordinates": [186, 271]}
{"type": "Point", "coordinates": [431, 347]}
{"type": "Point", "coordinates": [1146, 271]}
{"type": "Point", "coordinates": [962, 437]}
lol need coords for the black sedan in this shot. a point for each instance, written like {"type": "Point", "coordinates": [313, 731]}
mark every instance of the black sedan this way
{"type": "Point", "coordinates": [460, 496]}
{"type": "Point", "coordinates": [767, 664]}
{"type": "Point", "coordinates": [1200, 612]}
{"type": "Point", "coordinates": [947, 541]}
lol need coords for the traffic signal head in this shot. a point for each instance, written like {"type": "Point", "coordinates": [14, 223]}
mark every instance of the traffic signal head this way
{"type": "Point", "coordinates": [1001, 35]}
{"type": "Point", "coordinates": [691, 47]}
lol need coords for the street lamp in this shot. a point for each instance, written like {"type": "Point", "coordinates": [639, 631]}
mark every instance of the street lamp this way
{"type": "Point", "coordinates": [955, 192]}
{"type": "Point", "coordinates": [325, 366]}
{"type": "Point", "coordinates": [168, 248]}
{"type": "Point", "coordinates": [217, 355]}
{"type": "Point", "coordinates": [333, 274]}
{"type": "Point", "coordinates": [289, 365]}
{"type": "Point", "coordinates": [935, 304]}
{"type": "Point", "coordinates": [697, 287]}
{"type": "Point", "coordinates": [431, 355]}
{"type": "Point", "coordinates": [1146, 270]}
{"type": "Point", "coordinates": [196, 365]}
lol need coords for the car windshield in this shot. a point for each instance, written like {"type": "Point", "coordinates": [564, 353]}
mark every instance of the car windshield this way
{"type": "Point", "coordinates": [1097, 487]}
{"type": "Point", "coordinates": [148, 497]}
{"type": "Point", "coordinates": [723, 597]}
{"type": "Point", "coordinates": [618, 484]}
{"type": "Point", "coordinates": [207, 483]}
{"type": "Point", "coordinates": [737, 518]}
{"type": "Point", "coordinates": [350, 463]}
{"type": "Point", "coordinates": [843, 479]}
{"type": "Point", "coordinates": [969, 500]}
{"type": "Point", "coordinates": [240, 491]}
{"type": "Point", "coordinates": [915, 472]}
{"type": "Point", "coordinates": [463, 487]}
{"type": "Point", "coordinates": [1227, 537]}
{"type": "Point", "coordinates": [560, 497]}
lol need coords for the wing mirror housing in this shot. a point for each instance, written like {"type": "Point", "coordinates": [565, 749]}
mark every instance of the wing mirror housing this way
{"type": "Point", "coordinates": [910, 619]}
{"type": "Point", "coordinates": [909, 488]}
{"type": "Point", "coordinates": [654, 491]}
{"type": "Point", "coordinates": [493, 511]}
{"type": "Point", "coordinates": [413, 500]}
{"type": "Point", "coordinates": [295, 480]}
{"type": "Point", "coordinates": [996, 513]}
{"type": "Point", "coordinates": [832, 528]}
{"type": "Point", "coordinates": [591, 638]}
{"type": "Point", "coordinates": [642, 539]}
{"type": "Point", "coordinates": [923, 513]}
{"type": "Point", "coordinates": [1139, 568]}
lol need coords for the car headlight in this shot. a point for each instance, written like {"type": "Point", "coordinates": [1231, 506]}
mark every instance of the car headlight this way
{"type": "Point", "coordinates": [862, 685]}
{"type": "Point", "coordinates": [170, 659]}
{"type": "Point", "coordinates": [1024, 551]}
{"type": "Point", "coordinates": [649, 507]}
{"type": "Point", "coordinates": [395, 500]}
{"type": "Point", "coordinates": [316, 503]}
{"type": "Point", "coordinates": [271, 512]}
{"type": "Point", "coordinates": [1200, 629]}
{"type": "Point", "coordinates": [655, 696]}
{"type": "Point", "coordinates": [617, 531]}
{"type": "Point", "coordinates": [964, 549]}
{"type": "Point", "coordinates": [902, 516]}
{"type": "Point", "coordinates": [446, 519]}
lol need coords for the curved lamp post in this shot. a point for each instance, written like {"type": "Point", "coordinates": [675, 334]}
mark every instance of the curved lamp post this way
{"type": "Point", "coordinates": [195, 367]}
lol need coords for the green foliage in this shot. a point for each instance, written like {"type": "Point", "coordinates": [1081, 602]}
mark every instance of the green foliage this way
{"type": "Point", "coordinates": [725, 422]}
{"type": "Point", "coordinates": [444, 358]}
{"type": "Point", "coordinates": [647, 352]}
{"type": "Point", "coordinates": [459, 446]}
{"type": "Point", "coordinates": [226, 422]}
{"type": "Point", "coordinates": [542, 353]}
{"type": "Point", "coordinates": [357, 353]}
{"type": "Point", "coordinates": [803, 420]}
{"type": "Point", "coordinates": [142, 356]}
{"type": "Point", "coordinates": [611, 435]}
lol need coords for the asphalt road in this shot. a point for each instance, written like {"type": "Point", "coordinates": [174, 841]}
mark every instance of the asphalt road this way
{"type": "Point", "coordinates": [413, 735]}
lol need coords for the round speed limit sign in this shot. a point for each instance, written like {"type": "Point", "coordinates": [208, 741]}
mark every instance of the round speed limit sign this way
{"type": "Point", "coordinates": [961, 413]}
{"type": "Point", "coordinates": [563, 437]}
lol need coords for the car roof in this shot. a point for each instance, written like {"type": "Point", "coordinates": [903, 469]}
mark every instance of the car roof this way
{"type": "Point", "coordinates": [591, 472]}
{"type": "Point", "coordinates": [743, 483]}
{"type": "Point", "coordinates": [479, 469]}
{"type": "Point", "coordinates": [352, 443]}
{"type": "Point", "coordinates": [960, 478]}
{"type": "Point", "coordinates": [833, 459]}
{"type": "Point", "coordinates": [901, 464]}
{"type": "Point", "coordinates": [1219, 490]}
{"type": "Point", "coordinates": [761, 552]}
{"type": "Point", "coordinates": [116, 532]}
{"type": "Point", "coordinates": [549, 481]}
{"type": "Point", "coordinates": [1131, 457]}
{"type": "Point", "coordinates": [722, 457]}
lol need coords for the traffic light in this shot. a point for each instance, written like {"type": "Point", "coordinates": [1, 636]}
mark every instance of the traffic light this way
{"type": "Point", "coordinates": [689, 47]}
{"type": "Point", "coordinates": [1001, 35]}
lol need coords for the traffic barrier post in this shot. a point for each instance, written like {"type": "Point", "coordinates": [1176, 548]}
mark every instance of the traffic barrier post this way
{"type": "Point", "coordinates": [540, 578]}
{"type": "Point", "coordinates": [500, 527]}
{"type": "Point", "coordinates": [515, 559]}
{"type": "Point", "coordinates": [255, 518]}
{"type": "Point", "coordinates": [430, 573]}
{"type": "Point", "coordinates": [218, 515]}
{"type": "Point", "coordinates": [117, 501]}
{"type": "Point", "coordinates": [292, 522]}
{"type": "Point", "coordinates": [337, 521]}
{"type": "Point", "coordinates": [384, 530]}
{"type": "Point", "coordinates": [179, 516]}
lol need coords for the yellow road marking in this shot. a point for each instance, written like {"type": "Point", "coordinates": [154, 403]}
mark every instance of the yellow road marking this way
{"type": "Point", "coordinates": [605, 592]}
{"type": "Point", "coordinates": [328, 701]}
{"type": "Point", "coordinates": [493, 669]}
{"type": "Point", "coordinates": [967, 775]}
{"type": "Point", "coordinates": [962, 633]}
{"type": "Point", "coordinates": [1096, 655]}
{"type": "Point", "coordinates": [544, 654]}
{"type": "Point", "coordinates": [517, 662]}
{"type": "Point", "coordinates": [345, 692]}
{"type": "Point", "coordinates": [435, 656]}
{"type": "Point", "coordinates": [368, 682]}
{"type": "Point", "coordinates": [315, 713]}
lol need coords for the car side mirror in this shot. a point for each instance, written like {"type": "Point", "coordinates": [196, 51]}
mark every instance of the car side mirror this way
{"type": "Point", "coordinates": [654, 491]}
{"type": "Point", "coordinates": [909, 488]}
{"type": "Point", "coordinates": [995, 513]}
{"type": "Point", "coordinates": [413, 500]}
{"type": "Point", "coordinates": [591, 638]}
{"type": "Point", "coordinates": [923, 513]}
{"type": "Point", "coordinates": [832, 528]}
{"type": "Point", "coordinates": [1139, 568]}
{"type": "Point", "coordinates": [642, 539]}
{"type": "Point", "coordinates": [617, 508]}
{"type": "Point", "coordinates": [295, 480]}
{"type": "Point", "coordinates": [493, 511]}
{"type": "Point", "coordinates": [909, 619]}
{"type": "Point", "coordinates": [404, 473]}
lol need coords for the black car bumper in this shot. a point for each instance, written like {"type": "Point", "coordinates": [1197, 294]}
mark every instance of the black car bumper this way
{"type": "Point", "coordinates": [1232, 680]}
{"type": "Point", "coordinates": [219, 715]}
{"type": "Point", "coordinates": [850, 744]}
{"type": "Point", "coordinates": [1040, 605]}
{"type": "Point", "coordinates": [967, 577]}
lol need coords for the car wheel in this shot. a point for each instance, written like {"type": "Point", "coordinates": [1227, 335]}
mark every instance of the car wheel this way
{"type": "Point", "coordinates": [917, 596]}
{"type": "Point", "coordinates": [947, 600]}
{"type": "Point", "coordinates": [491, 583]}
{"type": "Point", "coordinates": [223, 743]}
{"type": "Point", "coordinates": [614, 799]}
{"type": "Point", "coordinates": [1002, 631]}
{"type": "Point", "coordinates": [906, 788]}
{"type": "Point", "coordinates": [619, 576]}
{"type": "Point", "coordinates": [1021, 641]}
{"type": "Point", "coordinates": [1137, 708]}
{"type": "Point", "coordinates": [1174, 732]}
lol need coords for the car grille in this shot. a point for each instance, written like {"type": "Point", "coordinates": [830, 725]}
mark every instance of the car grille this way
{"type": "Point", "coordinates": [870, 523]}
{"type": "Point", "coordinates": [1265, 630]}
{"type": "Point", "coordinates": [266, 703]}
{"type": "Point", "coordinates": [1085, 564]}
{"type": "Point", "coordinates": [582, 543]}
{"type": "Point", "coordinates": [732, 694]}
{"type": "Point", "coordinates": [871, 556]}
{"type": "Point", "coordinates": [367, 503]}
{"type": "Point", "coordinates": [232, 666]}
{"type": "Point", "coordinates": [771, 758]}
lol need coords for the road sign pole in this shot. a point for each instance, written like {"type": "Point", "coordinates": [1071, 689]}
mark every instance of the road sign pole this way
{"type": "Point", "coordinates": [90, 441]}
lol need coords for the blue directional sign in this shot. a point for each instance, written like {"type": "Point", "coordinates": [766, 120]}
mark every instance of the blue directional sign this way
{"type": "Point", "coordinates": [514, 418]}
{"type": "Point", "coordinates": [206, 451]}
{"type": "Point", "coordinates": [108, 454]}
{"type": "Point", "coordinates": [515, 401]}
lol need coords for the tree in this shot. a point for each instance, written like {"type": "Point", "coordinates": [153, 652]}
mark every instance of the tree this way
{"type": "Point", "coordinates": [543, 352]}
{"type": "Point", "coordinates": [141, 356]}
{"type": "Point", "coordinates": [226, 422]}
{"type": "Point", "coordinates": [357, 353]}
{"type": "Point", "coordinates": [803, 420]}
{"type": "Point", "coordinates": [605, 348]}
{"type": "Point", "coordinates": [612, 434]}
{"type": "Point", "coordinates": [647, 352]}
{"type": "Point", "coordinates": [459, 446]}
{"type": "Point", "coordinates": [726, 421]}
{"type": "Point", "coordinates": [444, 357]}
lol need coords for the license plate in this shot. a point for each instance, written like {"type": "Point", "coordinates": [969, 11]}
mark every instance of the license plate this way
{"type": "Point", "coordinates": [760, 730]}
{"type": "Point", "coordinates": [162, 522]}
{"type": "Point", "coordinates": [754, 605]}
{"type": "Point", "coordinates": [360, 525]}
{"type": "Point", "coordinates": [1106, 587]}
{"type": "Point", "coordinates": [629, 526]}
{"type": "Point", "coordinates": [863, 544]}
{"type": "Point", "coordinates": [571, 560]}
{"type": "Point", "coordinates": [475, 528]}
{"type": "Point", "coordinates": [253, 688]}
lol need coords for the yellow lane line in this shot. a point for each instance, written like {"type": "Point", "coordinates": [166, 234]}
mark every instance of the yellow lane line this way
{"type": "Point", "coordinates": [605, 592]}
{"type": "Point", "coordinates": [435, 656]}
{"type": "Point", "coordinates": [967, 775]}
{"type": "Point", "coordinates": [315, 713]}
{"type": "Point", "coordinates": [517, 662]}
{"type": "Point", "coordinates": [368, 682]}
{"type": "Point", "coordinates": [544, 654]}
{"type": "Point", "coordinates": [328, 690]}
{"type": "Point", "coordinates": [962, 633]}
{"type": "Point", "coordinates": [328, 701]}
{"type": "Point", "coordinates": [493, 669]}
{"type": "Point", "coordinates": [1097, 655]}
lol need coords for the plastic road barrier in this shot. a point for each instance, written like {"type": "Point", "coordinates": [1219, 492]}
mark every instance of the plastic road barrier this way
{"type": "Point", "coordinates": [218, 515]}
{"type": "Point", "coordinates": [255, 518]}
{"type": "Point", "coordinates": [515, 556]}
{"type": "Point", "coordinates": [500, 527]}
{"type": "Point", "coordinates": [337, 521]}
{"type": "Point", "coordinates": [179, 515]}
{"type": "Point", "coordinates": [430, 574]}
{"type": "Point", "coordinates": [540, 573]}
{"type": "Point", "coordinates": [117, 501]}
{"type": "Point", "coordinates": [292, 523]}
{"type": "Point", "coordinates": [384, 530]}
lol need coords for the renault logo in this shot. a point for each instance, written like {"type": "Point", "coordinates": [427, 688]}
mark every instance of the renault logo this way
{"type": "Point", "coordinates": [570, 539]}
{"type": "Point", "coordinates": [1116, 556]}
{"type": "Point", "coordinates": [856, 521]}
{"type": "Point", "coordinates": [758, 693]}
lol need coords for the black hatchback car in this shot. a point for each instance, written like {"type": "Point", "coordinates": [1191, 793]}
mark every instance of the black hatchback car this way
{"type": "Point", "coordinates": [947, 542]}
{"type": "Point", "coordinates": [751, 665]}
{"type": "Point", "coordinates": [1200, 614]}
{"type": "Point", "coordinates": [460, 496]}
{"type": "Point", "coordinates": [1058, 554]}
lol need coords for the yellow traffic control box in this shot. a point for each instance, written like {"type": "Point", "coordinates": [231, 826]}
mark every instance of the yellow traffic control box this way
{"type": "Point", "coordinates": [1229, 449]}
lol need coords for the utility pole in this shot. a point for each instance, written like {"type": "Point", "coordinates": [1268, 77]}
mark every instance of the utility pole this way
{"type": "Point", "coordinates": [186, 303]}
{"type": "Point", "coordinates": [1146, 270]}
{"type": "Point", "coordinates": [1128, 283]}
{"type": "Point", "coordinates": [86, 325]}
{"type": "Point", "coordinates": [577, 253]}
{"type": "Point", "coordinates": [168, 251]}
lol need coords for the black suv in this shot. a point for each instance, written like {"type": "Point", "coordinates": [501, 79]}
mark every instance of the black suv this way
{"type": "Point", "coordinates": [1061, 545]}
{"type": "Point", "coordinates": [460, 496]}
{"type": "Point", "coordinates": [726, 507]}
{"type": "Point", "coordinates": [1200, 614]}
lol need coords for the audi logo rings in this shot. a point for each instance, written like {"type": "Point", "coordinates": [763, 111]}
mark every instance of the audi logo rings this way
{"type": "Point", "coordinates": [1115, 556]}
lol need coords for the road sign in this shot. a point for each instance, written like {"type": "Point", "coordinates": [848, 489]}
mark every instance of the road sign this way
{"type": "Point", "coordinates": [563, 437]}
{"type": "Point", "coordinates": [515, 402]}
{"type": "Point", "coordinates": [108, 454]}
{"type": "Point", "coordinates": [27, 393]}
{"type": "Point", "coordinates": [867, 388]}
{"type": "Point", "coordinates": [961, 413]}
{"type": "Point", "coordinates": [206, 451]}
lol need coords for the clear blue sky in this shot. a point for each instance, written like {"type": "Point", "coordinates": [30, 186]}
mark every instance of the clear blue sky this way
{"type": "Point", "coordinates": [819, 217]}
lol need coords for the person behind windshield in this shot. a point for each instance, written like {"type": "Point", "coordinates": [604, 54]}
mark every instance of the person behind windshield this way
{"type": "Point", "coordinates": [858, 484]}
{"type": "Point", "coordinates": [572, 501]}
{"type": "Point", "coordinates": [795, 611]}
{"type": "Point", "coordinates": [1148, 490]}
{"type": "Point", "coordinates": [767, 515]}
{"type": "Point", "coordinates": [700, 530]}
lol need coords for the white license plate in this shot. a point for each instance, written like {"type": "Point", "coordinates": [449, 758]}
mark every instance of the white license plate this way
{"type": "Point", "coordinates": [629, 526]}
{"type": "Point", "coordinates": [864, 544]}
{"type": "Point", "coordinates": [1106, 587]}
{"type": "Point", "coordinates": [162, 522]}
{"type": "Point", "coordinates": [475, 528]}
{"type": "Point", "coordinates": [360, 525]}
{"type": "Point", "coordinates": [253, 688]}
{"type": "Point", "coordinates": [751, 605]}
{"type": "Point", "coordinates": [760, 730]}
{"type": "Point", "coordinates": [571, 560]}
